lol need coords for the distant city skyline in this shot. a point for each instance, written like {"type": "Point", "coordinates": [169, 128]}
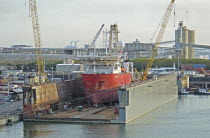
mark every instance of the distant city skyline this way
{"type": "Point", "coordinates": [63, 21]}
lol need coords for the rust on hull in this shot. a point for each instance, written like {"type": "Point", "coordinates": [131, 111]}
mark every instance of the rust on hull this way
{"type": "Point", "coordinates": [39, 100]}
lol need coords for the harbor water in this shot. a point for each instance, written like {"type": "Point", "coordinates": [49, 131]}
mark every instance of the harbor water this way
{"type": "Point", "coordinates": [186, 116]}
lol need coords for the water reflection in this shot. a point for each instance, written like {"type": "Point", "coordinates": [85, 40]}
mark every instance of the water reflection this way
{"type": "Point", "coordinates": [37, 130]}
{"type": "Point", "coordinates": [186, 116]}
{"type": "Point", "coordinates": [89, 131]}
{"type": "Point", "coordinates": [14, 131]}
{"type": "Point", "coordinates": [43, 130]}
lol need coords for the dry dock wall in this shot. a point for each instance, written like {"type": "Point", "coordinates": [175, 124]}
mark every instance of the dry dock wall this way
{"type": "Point", "coordinates": [139, 99]}
{"type": "Point", "coordinates": [38, 100]}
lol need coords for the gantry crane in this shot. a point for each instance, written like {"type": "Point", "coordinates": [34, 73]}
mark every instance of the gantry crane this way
{"type": "Point", "coordinates": [37, 36]}
{"type": "Point", "coordinates": [159, 38]}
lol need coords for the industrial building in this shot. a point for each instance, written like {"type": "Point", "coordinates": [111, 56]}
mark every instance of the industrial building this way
{"type": "Point", "coordinates": [137, 49]}
{"type": "Point", "coordinates": [21, 46]}
{"type": "Point", "coordinates": [185, 36]}
{"type": "Point", "coordinates": [69, 67]}
{"type": "Point", "coordinates": [134, 50]}
{"type": "Point", "coordinates": [83, 51]}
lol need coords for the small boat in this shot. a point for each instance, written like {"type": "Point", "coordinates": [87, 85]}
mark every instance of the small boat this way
{"type": "Point", "coordinates": [202, 92]}
{"type": "Point", "coordinates": [183, 92]}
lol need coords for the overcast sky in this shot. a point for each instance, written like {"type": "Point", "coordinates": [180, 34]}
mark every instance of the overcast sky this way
{"type": "Point", "coordinates": [63, 21]}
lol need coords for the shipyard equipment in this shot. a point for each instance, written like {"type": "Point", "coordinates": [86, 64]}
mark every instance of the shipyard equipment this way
{"type": "Point", "coordinates": [37, 36]}
{"type": "Point", "coordinates": [113, 40]}
{"type": "Point", "coordinates": [204, 71]}
{"type": "Point", "coordinates": [96, 37]}
{"type": "Point", "coordinates": [159, 38]}
{"type": "Point", "coordinates": [137, 73]}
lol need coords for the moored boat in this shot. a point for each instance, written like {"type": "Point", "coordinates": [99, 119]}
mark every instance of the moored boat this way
{"type": "Point", "coordinates": [202, 92]}
{"type": "Point", "coordinates": [183, 92]}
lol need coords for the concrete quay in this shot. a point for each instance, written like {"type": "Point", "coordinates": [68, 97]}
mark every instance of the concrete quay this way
{"type": "Point", "coordinates": [9, 112]}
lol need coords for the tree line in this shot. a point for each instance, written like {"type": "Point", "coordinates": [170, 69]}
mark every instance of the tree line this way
{"type": "Point", "coordinates": [32, 66]}
{"type": "Point", "coordinates": [140, 64]}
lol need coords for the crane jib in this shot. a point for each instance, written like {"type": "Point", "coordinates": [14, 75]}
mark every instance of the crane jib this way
{"type": "Point", "coordinates": [37, 36]}
{"type": "Point", "coordinates": [159, 38]}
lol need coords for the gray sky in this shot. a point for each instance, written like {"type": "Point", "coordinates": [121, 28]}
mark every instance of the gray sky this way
{"type": "Point", "coordinates": [63, 21]}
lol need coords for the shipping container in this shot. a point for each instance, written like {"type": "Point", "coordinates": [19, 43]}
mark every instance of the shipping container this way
{"type": "Point", "coordinates": [199, 66]}
{"type": "Point", "coordinates": [187, 67]}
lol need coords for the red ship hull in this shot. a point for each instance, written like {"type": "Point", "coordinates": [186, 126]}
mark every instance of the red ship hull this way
{"type": "Point", "coordinates": [104, 87]}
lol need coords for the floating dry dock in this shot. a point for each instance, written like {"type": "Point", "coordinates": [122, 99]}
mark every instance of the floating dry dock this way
{"type": "Point", "coordinates": [88, 115]}
{"type": "Point", "coordinates": [138, 99]}
{"type": "Point", "coordinates": [134, 100]}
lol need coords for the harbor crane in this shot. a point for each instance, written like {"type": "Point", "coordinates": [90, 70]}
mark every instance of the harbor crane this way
{"type": "Point", "coordinates": [137, 74]}
{"type": "Point", "coordinates": [204, 72]}
{"type": "Point", "coordinates": [96, 37]}
{"type": "Point", "coordinates": [37, 36]}
{"type": "Point", "coordinates": [159, 38]}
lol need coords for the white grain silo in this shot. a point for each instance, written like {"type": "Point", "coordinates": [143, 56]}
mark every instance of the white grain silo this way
{"type": "Point", "coordinates": [191, 40]}
{"type": "Point", "coordinates": [185, 41]}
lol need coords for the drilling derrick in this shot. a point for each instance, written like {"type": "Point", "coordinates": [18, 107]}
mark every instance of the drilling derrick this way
{"type": "Point", "coordinates": [113, 39]}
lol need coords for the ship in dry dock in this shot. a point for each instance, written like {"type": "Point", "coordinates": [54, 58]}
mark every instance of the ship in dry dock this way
{"type": "Point", "coordinates": [105, 75]}
{"type": "Point", "coordinates": [106, 72]}
{"type": "Point", "coordinates": [103, 78]}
